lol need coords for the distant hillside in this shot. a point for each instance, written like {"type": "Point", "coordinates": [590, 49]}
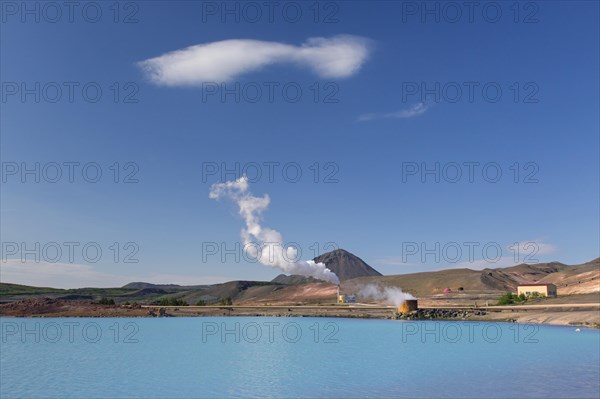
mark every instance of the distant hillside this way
{"type": "Point", "coordinates": [293, 279]}
{"type": "Point", "coordinates": [142, 285]}
{"type": "Point", "coordinates": [18, 289]}
{"type": "Point", "coordinates": [577, 279]}
{"type": "Point", "coordinates": [346, 265]}
{"type": "Point", "coordinates": [12, 292]}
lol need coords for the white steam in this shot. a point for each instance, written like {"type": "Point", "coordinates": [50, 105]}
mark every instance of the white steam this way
{"type": "Point", "coordinates": [263, 243]}
{"type": "Point", "coordinates": [391, 295]}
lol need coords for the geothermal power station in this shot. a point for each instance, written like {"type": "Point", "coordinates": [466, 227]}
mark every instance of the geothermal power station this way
{"type": "Point", "coordinates": [404, 306]}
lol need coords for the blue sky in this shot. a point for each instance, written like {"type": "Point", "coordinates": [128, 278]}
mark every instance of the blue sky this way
{"type": "Point", "coordinates": [373, 128]}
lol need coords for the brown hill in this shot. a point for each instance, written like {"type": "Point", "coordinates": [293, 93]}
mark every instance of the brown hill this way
{"type": "Point", "coordinates": [293, 279]}
{"type": "Point", "coordinates": [577, 279]}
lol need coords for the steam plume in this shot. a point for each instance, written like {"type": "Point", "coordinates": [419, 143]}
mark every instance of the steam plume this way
{"type": "Point", "coordinates": [263, 243]}
{"type": "Point", "coordinates": [391, 295]}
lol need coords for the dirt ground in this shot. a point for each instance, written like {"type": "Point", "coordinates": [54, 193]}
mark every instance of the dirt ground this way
{"type": "Point", "coordinates": [588, 318]}
{"type": "Point", "coordinates": [46, 307]}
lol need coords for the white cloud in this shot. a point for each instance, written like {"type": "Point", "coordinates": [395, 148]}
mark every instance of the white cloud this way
{"type": "Point", "coordinates": [393, 261]}
{"type": "Point", "coordinates": [336, 57]}
{"type": "Point", "coordinates": [68, 275]}
{"type": "Point", "coordinates": [412, 111]}
{"type": "Point", "coordinates": [534, 247]}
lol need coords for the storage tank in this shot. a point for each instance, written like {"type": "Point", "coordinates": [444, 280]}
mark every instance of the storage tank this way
{"type": "Point", "coordinates": [408, 306]}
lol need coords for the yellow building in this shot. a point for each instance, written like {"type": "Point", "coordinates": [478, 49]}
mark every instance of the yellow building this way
{"type": "Point", "coordinates": [341, 298]}
{"type": "Point", "coordinates": [346, 298]}
{"type": "Point", "coordinates": [541, 289]}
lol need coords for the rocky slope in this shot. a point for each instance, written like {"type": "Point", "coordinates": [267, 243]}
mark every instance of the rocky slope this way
{"type": "Point", "coordinates": [346, 265]}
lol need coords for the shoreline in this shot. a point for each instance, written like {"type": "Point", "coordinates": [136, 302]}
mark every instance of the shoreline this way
{"type": "Point", "coordinates": [575, 315]}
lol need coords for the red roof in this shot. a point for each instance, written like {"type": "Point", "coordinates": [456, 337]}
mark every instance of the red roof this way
{"type": "Point", "coordinates": [535, 284]}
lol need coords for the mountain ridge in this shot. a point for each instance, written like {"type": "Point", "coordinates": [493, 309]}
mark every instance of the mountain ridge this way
{"type": "Point", "coordinates": [570, 279]}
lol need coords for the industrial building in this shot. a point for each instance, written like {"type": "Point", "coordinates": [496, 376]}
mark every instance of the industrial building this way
{"type": "Point", "coordinates": [345, 298]}
{"type": "Point", "coordinates": [349, 298]}
{"type": "Point", "coordinates": [548, 290]}
{"type": "Point", "coordinates": [409, 305]}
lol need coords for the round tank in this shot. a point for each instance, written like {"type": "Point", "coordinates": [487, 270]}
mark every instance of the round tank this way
{"type": "Point", "coordinates": [408, 306]}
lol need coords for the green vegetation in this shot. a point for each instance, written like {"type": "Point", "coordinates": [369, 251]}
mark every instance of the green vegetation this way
{"type": "Point", "coordinates": [226, 301]}
{"type": "Point", "coordinates": [99, 291]}
{"type": "Point", "coordinates": [172, 302]}
{"type": "Point", "coordinates": [17, 289]}
{"type": "Point", "coordinates": [509, 299]}
{"type": "Point", "coordinates": [8, 289]}
{"type": "Point", "coordinates": [512, 299]}
{"type": "Point", "coordinates": [201, 303]}
{"type": "Point", "coordinates": [106, 301]}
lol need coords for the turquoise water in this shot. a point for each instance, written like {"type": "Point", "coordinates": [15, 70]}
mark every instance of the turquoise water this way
{"type": "Point", "coordinates": [294, 357]}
